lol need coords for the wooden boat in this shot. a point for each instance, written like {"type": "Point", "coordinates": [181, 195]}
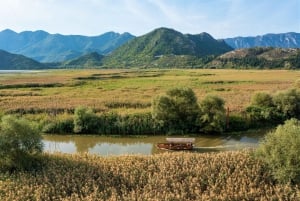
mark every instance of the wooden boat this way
{"type": "Point", "coordinates": [177, 144]}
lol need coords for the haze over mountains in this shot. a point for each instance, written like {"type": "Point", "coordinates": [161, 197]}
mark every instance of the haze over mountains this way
{"type": "Point", "coordinates": [283, 40]}
{"type": "Point", "coordinates": [45, 47]}
{"type": "Point", "coordinates": [162, 47]}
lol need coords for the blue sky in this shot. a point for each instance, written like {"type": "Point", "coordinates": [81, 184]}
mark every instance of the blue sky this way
{"type": "Point", "coordinates": [220, 18]}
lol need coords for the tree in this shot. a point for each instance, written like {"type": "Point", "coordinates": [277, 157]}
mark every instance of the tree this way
{"type": "Point", "coordinates": [212, 116]}
{"type": "Point", "coordinates": [20, 143]}
{"type": "Point", "coordinates": [288, 103]}
{"type": "Point", "coordinates": [262, 110]}
{"type": "Point", "coordinates": [279, 150]}
{"type": "Point", "coordinates": [262, 99]}
{"type": "Point", "coordinates": [177, 110]}
{"type": "Point", "coordinates": [85, 120]}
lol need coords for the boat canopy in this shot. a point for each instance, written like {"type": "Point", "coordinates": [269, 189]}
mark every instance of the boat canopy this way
{"type": "Point", "coordinates": [180, 140]}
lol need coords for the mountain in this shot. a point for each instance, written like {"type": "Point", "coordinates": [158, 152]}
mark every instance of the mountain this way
{"type": "Point", "coordinates": [164, 42]}
{"type": "Point", "coordinates": [89, 60]}
{"type": "Point", "coordinates": [10, 61]}
{"type": "Point", "coordinates": [45, 47]}
{"type": "Point", "coordinates": [284, 40]}
{"type": "Point", "coordinates": [259, 57]}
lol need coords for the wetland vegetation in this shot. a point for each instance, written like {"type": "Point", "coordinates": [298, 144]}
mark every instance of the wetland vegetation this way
{"type": "Point", "coordinates": [57, 99]}
{"type": "Point", "coordinates": [120, 101]}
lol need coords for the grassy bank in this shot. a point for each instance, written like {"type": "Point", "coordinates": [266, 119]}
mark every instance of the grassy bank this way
{"type": "Point", "coordinates": [169, 176]}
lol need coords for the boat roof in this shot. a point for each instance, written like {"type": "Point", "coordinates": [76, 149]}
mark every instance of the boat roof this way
{"type": "Point", "coordinates": [183, 140]}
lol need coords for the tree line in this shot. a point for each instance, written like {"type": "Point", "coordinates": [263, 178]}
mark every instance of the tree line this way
{"type": "Point", "coordinates": [179, 112]}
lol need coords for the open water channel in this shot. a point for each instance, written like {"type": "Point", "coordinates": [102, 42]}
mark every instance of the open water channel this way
{"type": "Point", "coordinates": [146, 145]}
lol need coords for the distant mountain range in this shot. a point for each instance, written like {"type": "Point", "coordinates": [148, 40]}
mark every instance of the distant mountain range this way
{"type": "Point", "coordinates": [162, 47]}
{"type": "Point", "coordinates": [284, 40]}
{"type": "Point", "coordinates": [45, 47]}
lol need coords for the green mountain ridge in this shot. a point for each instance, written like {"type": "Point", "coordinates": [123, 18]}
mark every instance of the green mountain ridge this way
{"type": "Point", "coordinates": [9, 61]}
{"type": "Point", "coordinates": [90, 60]}
{"type": "Point", "coordinates": [259, 57]}
{"type": "Point", "coordinates": [164, 42]}
{"type": "Point", "coordinates": [161, 48]}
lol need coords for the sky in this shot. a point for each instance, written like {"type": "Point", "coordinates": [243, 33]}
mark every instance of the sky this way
{"type": "Point", "coordinates": [220, 18]}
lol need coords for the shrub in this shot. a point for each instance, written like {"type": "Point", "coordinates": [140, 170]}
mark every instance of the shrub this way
{"type": "Point", "coordinates": [20, 144]}
{"type": "Point", "coordinates": [177, 110]}
{"type": "Point", "coordinates": [288, 103]}
{"type": "Point", "coordinates": [85, 120]}
{"type": "Point", "coordinates": [263, 111]}
{"type": "Point", "coordinates": [59, 126]}
{"type": "Point", "coordinates": [262, 99]}
{"type": "Point", "coordinates": [212, 116]}
{"type": "Point", "coordinates": [237, 123]}
{"type": "Point", "coordinates": [280, 151]}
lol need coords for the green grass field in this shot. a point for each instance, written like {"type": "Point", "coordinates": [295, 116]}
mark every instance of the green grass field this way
{"type": "Point", "coordinates": [131, 91]}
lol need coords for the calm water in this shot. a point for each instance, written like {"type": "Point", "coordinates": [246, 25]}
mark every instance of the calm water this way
{"type": "Point", "coordinates": [107, 146]}
{"type": "Point", "coordinates": [16, 71]}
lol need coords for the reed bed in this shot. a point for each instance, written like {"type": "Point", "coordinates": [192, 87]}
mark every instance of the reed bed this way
{"type": "Point", "coordinates": [169, 176]}
{"type": "Point", "coordinates": [131, 91]}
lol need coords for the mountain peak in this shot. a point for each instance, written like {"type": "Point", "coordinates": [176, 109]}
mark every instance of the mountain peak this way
{"type": "Point", "coordinates": [8, 31]}
{"type": "Point", "coordinates": [163, 29]}
{"type": "Point", "coordinates": [165, 42]}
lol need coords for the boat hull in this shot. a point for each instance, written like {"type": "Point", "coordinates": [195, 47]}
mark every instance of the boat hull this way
{"type": "Point", "coordinates": [175, 146]}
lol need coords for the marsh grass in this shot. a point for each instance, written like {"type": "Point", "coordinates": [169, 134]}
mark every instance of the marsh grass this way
{"type": "Point", "coordinates": [169, 176]}
{"type": "Point", "coordinates": [131, 91]}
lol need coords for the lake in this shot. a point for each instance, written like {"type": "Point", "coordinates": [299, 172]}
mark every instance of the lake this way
{"type": "Point", "coordinates": [145, 145]}
{"type": "Point", "coordinates": [17, 71]}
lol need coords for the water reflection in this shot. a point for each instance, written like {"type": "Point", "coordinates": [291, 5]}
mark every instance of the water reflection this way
{"type": "Point", "coordinates": [141, 145]}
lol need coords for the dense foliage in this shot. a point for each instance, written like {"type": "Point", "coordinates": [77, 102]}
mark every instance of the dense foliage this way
{"type": "Point", "coordinates": [176, 111]}
{"type": "Point", "coordinates": [212, 115]}
{"type": "Point", "coordinates": [170, 176]}
{"type": "Point", "coordinates": [85, 120]}
{"type": "Point", "coordinates": [268, 109]}
{"type": "Point", "coordinates": [179, 112]}
{"type": "Point", "coordinates": [20, 144]}
{"type": "Point", "coordinates": [280, 151]}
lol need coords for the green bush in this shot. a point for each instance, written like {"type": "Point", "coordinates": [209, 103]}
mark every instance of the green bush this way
{"type": "Point", "coordinates": [288, 103]}
{"type": "Point", "coordinates": [262, 99]}
{"type": "Point", "coordinates": [263, 111]}
{"type": "Point", "coordinates": [20, 144]}
{"type": "Point", "coordinates": [237, 123]}
{"type": "Point", "coordinates": [85, 121]}
{"type": "Point", "coordinates": [59, 126]}
{"type": "Point", "coordinates": [176, 111]}
{"type": "Point", "coordinates": [212, 116]}
{"type": "Point", "coordinates": [280, 152]}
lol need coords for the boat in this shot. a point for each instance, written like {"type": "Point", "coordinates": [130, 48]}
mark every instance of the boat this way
{"type": "Point", "coordinates": [177, 144]}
